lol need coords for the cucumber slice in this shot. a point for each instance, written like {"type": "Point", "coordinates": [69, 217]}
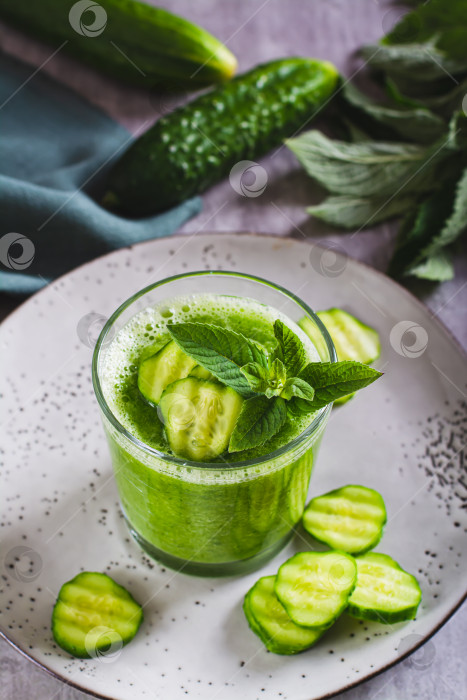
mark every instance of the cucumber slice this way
{"type": "Point", "coordinates": [314, 587]}
{"type": "Point", "coordinates": [93, 615]}
{"type": "Point", "coordinates": [270, 621]}
{"type": "Point", "coordinates": [199, 417]}
{"type": "Point", "coordinates": [350, 518]}
{"type": "Point", "coordinates": [384, 591]}
{"type": "Point", "coordinates": [250, 618]}
{"type": "Point", "coordinates": [158, 371]}
{"type": "Point", "coordinates": [352, 339]}
{"type": "Point", "coordinates": [201, 373]}
{"type": "Point", "coordinates": [315, 336]}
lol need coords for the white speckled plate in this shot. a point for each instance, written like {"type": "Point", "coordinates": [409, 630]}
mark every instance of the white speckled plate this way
{"type": "Point", "coordinates": [403, 436]}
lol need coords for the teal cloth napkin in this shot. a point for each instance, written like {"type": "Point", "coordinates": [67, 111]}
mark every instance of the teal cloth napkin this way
{"type": "Point", "coordinates": [55, 150]}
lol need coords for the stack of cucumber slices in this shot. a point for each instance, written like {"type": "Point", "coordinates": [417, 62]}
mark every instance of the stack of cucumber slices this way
{"type": "Point", "coordinates": [292, 610]}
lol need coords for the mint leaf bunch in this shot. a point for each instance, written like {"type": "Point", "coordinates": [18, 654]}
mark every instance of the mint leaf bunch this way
{"type": "Point", "coordinates": [273, 386]}
{"type": "Point", "coordinates": [405, 156]}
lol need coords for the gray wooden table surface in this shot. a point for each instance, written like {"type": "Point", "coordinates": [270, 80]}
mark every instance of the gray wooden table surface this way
{"type": "Point", "coordinates": [259, 30]}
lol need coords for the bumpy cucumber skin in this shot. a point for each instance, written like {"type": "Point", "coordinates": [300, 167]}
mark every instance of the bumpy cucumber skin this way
{"type": "Point", "coordinates": [140, 44]}
{"type": "Point", "coordinates": [384, 616]}
{"type": "Point", "coordinates": [336, 492]}
{"type": "Point", "coordinates": [189, 150]}
{"type": "Point", "coordinates": [64, 643]}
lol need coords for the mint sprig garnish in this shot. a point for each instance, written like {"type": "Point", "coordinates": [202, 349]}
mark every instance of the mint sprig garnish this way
{"type": "Point", "coordinates": [273, 385]}
{"type": "Point", "coordinates": [299, 388]}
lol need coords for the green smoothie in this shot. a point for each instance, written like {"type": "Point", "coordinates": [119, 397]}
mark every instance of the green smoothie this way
{"type": "Point", "coordinates": [239, 507]}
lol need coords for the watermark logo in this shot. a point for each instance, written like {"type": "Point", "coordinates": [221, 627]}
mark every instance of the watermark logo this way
{"type": "Point", "coordinates": [89, 328]}
{"type": "Point", "coordinates": [23, 563]}
{"type": "Point", "coordinates": [329, 259]}
{"type": "Point", "coordinates": [77, 20]}
{"type": "Point", "coordinates": [408, 339]}
{"type": "Point", "coordinates": [340, 573]}
{"type": "Point", "coordinates": [180, 415]}
{"type": "Point", "coordinates": [423, 657]}
{"type": "Point", "coordinates": [248, 178]}
{"type": "Point", "coordinates": [22, 257]}
{"type": "Point", "coordinates": [103, 643]}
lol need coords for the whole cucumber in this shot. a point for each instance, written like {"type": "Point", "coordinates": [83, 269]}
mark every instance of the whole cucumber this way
{"type": "Point", "coordinates": [129, 40]}
{"type": "Point", "coordinates": [192, 148]}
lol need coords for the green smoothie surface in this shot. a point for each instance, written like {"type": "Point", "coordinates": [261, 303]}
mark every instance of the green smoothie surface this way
{"type": "Point", "coordinates": [146, 333]}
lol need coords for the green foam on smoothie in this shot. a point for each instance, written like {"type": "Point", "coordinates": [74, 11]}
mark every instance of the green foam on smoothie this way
{"type": "Point", "coordinates": [147, 332]}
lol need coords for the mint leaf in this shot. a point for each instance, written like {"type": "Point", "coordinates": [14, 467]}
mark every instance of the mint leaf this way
{"type": "Point", "coordinates": [297, 387]}
{"type": "Point", "coordinates": [416, 124]}
{"type": "Point", "coordinates": [277, 378]}
{"type": "Point", "coordinates": [413, 67]}
{"type": "Point", "coordinates": [438, 222]}
{"type": "Point", "coordinates": [265, 381]}
{"type": "Point", "coordinates": [293, 352]}
{"type": "Point", "coordinates": [257, 376]}
{"type": "Point", "coordinates": [351, 212]}
{"type": "Point", "coordinates": [375, 168]}
{"type": "Point", "coordinates": [259, 420]}
{"type": "Point", "coordinates": [436, 268]}
{"type": "Point", "coordinates": [333, 380]}
{"type": "Point", "coordinates": [221, 351]}
{"type": "Point", "coordinates": [454, 225]}
{"type": "Point", "coordinates": [443, 22]}
{"type": "Point", "coordinates": [298, 407]}
{"type": "Point", "coordinates": [443, 104]}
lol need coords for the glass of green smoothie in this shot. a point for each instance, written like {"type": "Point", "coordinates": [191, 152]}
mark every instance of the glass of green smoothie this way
{"type": "Point", "coordinates": [190, 499]}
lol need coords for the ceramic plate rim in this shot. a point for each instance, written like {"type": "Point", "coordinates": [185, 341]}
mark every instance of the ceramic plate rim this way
{"type": "Point", "coordinates": [244, 234]}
